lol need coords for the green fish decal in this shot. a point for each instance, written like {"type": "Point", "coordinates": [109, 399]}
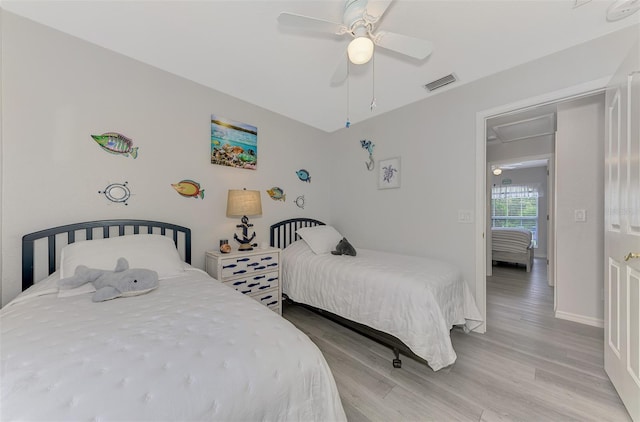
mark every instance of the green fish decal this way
{"type": "Point", "coordinates": [116, 143]}
{"type": "Point", "coordinates": [277, 194]}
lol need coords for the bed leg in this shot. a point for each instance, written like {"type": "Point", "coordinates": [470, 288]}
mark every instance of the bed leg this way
{"type": "Point", "coordinates": [397, 363]}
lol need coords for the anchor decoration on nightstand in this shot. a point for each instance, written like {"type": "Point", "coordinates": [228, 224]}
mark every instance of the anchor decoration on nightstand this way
{"type": "Point", "coordinates": [245, 242]}
{"type": "Point", "coordinates": [244, 203]}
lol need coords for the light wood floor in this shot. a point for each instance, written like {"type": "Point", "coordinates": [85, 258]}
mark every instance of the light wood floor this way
{"type": "Point", "coordinates": [528, 366]}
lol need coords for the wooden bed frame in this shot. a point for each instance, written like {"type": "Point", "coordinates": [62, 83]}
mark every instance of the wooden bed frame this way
{"type": "Point", "coordinates": [181, 237]}
{"type": "Point", "coordinates": [282, 234]}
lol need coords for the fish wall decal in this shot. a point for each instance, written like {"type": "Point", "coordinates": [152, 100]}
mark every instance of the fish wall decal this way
{"type": "Point", "coordinates": [116, 143]}
{"type": "Point", "coordinates": [189, 188]}
{"type": "Point", "coordinates": [304, 175]}
{"type": "Point", "coordinates": [277, 194]}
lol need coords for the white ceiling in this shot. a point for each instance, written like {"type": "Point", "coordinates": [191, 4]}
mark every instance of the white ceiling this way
{"type": "Point", "coordinates": [237, 47]}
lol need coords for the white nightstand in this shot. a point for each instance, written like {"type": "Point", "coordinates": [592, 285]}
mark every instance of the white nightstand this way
{"type": "Point", "coordinates": [255, 273]}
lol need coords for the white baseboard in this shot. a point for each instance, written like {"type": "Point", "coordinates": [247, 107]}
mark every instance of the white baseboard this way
{"type": "Point", "coordinates": [594, 322]}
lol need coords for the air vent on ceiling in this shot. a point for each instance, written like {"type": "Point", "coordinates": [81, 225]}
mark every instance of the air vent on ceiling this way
{"type": "Point", "coordinates": [439, 83]}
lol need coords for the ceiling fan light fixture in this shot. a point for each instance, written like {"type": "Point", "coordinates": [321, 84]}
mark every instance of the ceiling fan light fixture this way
{"type": "Point", "coordinates": [360, 50]}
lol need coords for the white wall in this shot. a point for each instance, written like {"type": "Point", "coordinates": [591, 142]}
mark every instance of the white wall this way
{"type": "Point", "coordinates": [58, 90]}
{"type": "Point", "coordinates": [436, 139]}
{"type": "Point", "coordinates": [531, 176]}
{"type": "Point", "coordinates": [580, 186]}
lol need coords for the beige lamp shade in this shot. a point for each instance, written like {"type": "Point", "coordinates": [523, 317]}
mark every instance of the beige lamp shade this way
{"type": "Point", "coordinates": [244, 202]}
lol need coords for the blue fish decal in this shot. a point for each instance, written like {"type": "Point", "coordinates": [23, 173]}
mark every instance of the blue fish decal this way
{"type": "Point", "coordinates": [304, 175]}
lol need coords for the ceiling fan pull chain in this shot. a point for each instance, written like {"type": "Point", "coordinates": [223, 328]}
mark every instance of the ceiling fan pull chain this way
{"type": "Point", "coordinates": [373, 104]}
{"type": "Point", "coordinates": [348, 122]}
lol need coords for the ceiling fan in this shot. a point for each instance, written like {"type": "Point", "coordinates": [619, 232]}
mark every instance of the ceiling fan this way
{"type": "Point", "coordinates": [359, 20]}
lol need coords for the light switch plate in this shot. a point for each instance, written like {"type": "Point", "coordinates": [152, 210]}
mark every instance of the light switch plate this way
{"type": "Point", "coordinates": [580, 216]}
{"type": "Point", "coordinates": [465, 216]}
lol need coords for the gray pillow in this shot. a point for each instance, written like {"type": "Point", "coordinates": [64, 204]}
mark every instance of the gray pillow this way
{"type": "Point", "coordinates": [344, 248]}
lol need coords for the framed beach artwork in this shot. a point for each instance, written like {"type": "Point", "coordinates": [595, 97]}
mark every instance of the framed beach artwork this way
{"type": "Point", "coordinates": [233, 144]}
{"type": "Point", "coordinates": [389, 173]}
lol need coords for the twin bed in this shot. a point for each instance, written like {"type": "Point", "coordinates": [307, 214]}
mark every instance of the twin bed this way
{"type": "Point", "coordinates": [194, 349]}
{"type": "Point", "coordinates": [409, 303]}
{"type": "Point", "coordinates": [512, 245]}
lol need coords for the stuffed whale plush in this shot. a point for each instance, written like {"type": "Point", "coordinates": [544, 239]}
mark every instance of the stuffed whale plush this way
{"type": "Point", "coordinates": [112, 284]}
{"type": "Point", "coordinates": [344, 248]}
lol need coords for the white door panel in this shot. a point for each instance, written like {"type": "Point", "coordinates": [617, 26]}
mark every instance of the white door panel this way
{"type": "Point", "coordinates": [622, 233]}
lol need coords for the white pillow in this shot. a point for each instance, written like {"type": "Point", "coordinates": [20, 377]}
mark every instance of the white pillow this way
{"type": "Point", "coordinates": [150, 251]}
{"type": "Point", "coordinates": [321, 239]}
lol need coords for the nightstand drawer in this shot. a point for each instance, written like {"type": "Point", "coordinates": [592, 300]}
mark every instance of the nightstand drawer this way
{"type": "Point", "coordinates": [255, 283]}
{"type": "Point", "coordinates": [254, 273]}
{"type": "Point", "coordinates": [269, 298]}
{"type": "Point", "coordinates": [239, 266]}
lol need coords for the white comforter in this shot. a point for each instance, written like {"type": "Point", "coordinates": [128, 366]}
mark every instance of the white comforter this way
{"type": "Point", "coordinates": [193, 349]}
{"type": "Point", "coordinates": [417, 300]}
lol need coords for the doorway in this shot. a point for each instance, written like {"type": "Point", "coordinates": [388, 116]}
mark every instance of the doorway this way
{"type": "Point", "coordinates": [483, 176]}
{"type": "Point", "coordinates": [520, 148]}
{"type": "Point", "coordinates": [520, 194]}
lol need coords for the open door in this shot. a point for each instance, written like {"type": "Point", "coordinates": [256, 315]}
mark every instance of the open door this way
{"type": "Point", "coordinates": [622, 233]}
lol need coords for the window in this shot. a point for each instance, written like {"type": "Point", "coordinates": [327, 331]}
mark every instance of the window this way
{"type": "Point", "coordinates": [515, 206]}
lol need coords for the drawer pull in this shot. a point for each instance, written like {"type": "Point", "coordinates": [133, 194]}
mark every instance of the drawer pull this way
{"type": "Point", "coordinates": [246, 291]}
{"type": "Point", "coordinates": [266, 258]}
{"type": "Point", "coordinates": [242, 259]}
{"type": "Point", "coordinates": [229, 266]}
{"type": "Point", "coordinates": [259, 268]}
{"type": "Point", "coordinates": [258, 277]}
{"type": "Point", "coordinates": [275, 264]}
{"type": "Point", "coordinates": [239, 272]}
{"type": "Point", "coordinates": [253, 284]}
{"type": "Point", "coordinates": [275, 302]}
{"type": "Point", "coordinates": [272, 279]}
{"type": "Point", "coordinates": [237, 283]}
{"type": "Point", "coordinates": [253, 264]}
{"type": "Point", "coordinates": [264, 287]}
{"type": "Point", "coordinates": [266, 297]}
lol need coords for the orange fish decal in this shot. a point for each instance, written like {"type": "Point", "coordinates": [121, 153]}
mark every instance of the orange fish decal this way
{"type": "Point", "coordinates": [189, 189]}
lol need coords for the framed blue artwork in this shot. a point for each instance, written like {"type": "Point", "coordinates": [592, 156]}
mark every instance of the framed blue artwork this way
{"type": "Point", "coordinates": [233, 144]}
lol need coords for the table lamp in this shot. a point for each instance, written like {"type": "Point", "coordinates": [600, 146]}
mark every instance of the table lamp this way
{"type": "Point", "coordinates": [244, 203]}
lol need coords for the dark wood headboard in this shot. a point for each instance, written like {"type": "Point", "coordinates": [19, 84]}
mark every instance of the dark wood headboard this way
{"type": "Point", "coordinates": [181, 236]}
{"type": "Point", "coordinates": [283, 233]}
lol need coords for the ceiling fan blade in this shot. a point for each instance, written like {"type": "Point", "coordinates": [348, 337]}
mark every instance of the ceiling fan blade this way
{"type": "Point", "coordinates": [375, 9]}
{"type": "Point", "coordinates": [341, 72]}
{"type": "Point", "coordinates": [314, 24]}
{"type": "Point", "coordinates": [403, 44]}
